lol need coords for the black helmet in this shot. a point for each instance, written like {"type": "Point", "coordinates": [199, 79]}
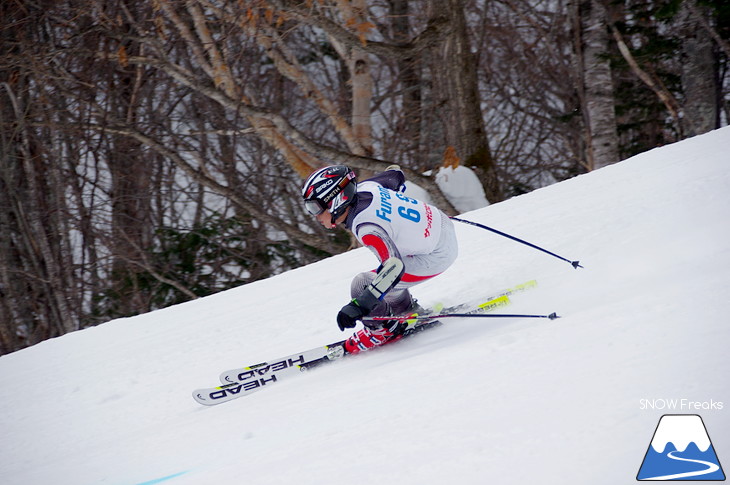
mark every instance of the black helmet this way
{"type": "Point", "coordinates": [332, 188]}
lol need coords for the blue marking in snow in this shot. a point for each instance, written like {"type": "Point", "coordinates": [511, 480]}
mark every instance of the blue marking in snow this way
{"type": "Point", "coordinates": [160, 480]}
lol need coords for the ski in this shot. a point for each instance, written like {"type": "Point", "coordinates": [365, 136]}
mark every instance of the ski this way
{"type": "Point", "coordinates": [253, 381]}
{"type": "Point", "coordinates": [246, 380]}
{"type": "Point", "coordinates": [278, 365]}
{"type": "Point", "coordinates": [244, 373]}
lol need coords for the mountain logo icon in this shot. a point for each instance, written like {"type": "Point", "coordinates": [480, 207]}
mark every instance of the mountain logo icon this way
{"type": "Point", "coordinates": [680, 450]}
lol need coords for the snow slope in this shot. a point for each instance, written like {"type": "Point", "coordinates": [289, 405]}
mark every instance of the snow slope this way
{"type": "Point", "coordinates": [570, 401]}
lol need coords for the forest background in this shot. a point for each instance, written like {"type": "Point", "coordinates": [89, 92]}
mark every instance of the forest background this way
{"type": "Point", "coordinates": [152, 151]}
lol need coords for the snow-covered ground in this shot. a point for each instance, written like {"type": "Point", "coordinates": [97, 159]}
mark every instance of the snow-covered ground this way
{"type": "Point", "coordinates": [570, 401]}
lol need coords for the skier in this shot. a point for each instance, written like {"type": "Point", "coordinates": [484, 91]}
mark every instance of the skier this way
{"type": "Point", "coordinates": [413, 241]}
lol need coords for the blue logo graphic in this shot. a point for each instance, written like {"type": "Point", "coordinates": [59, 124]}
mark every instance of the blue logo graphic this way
{"type": "Point", "coordinates": [681, 450]}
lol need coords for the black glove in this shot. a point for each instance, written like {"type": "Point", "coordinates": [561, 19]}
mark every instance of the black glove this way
{"type": "Point", "coordinates": [359, 307]}
{"type": "Point", "coordinates": [349, 315]}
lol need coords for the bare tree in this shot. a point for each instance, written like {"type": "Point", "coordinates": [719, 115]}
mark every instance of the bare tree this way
{"type": "Point", "coordinates": [699, 71]}
{"type": "Point", "coordinates": [408, 74]}
{"type": "Point", "coordinates": [151, 153]}
{"type": "Point", "coordinates": [529, 87]}
{"type": "Point", "coordinates": [456, 82]}
{"type": "Point", "coordinates": [596, 88]}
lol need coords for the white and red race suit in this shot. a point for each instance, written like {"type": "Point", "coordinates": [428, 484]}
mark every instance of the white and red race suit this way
{"type": "Point", "coordinates": [392, 224]}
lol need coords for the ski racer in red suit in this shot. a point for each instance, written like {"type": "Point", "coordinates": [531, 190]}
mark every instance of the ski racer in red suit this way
{"type": "Point", "coordinates": [413, 241]}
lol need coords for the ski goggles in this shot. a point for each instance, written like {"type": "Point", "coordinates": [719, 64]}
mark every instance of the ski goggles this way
{"type": "Point", "coordinates": [314, 206]}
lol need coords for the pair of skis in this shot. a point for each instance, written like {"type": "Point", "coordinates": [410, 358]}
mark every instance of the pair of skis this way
{"type": "Point", "coordinates": [236, 383]}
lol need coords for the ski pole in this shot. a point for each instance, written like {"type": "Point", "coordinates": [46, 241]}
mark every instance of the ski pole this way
{"type": "Point", "coordinates": [404, 318]}
{"type": "Point", "coordinates": [576, 264]}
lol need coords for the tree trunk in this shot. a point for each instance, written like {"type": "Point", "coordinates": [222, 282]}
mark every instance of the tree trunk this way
{"type": "Point", "coordinates": [131, 198]}
{"type": "Point", "coordinates": [456, 83]}
{"type": "Point", "coordinates": [699, 75]}
{"type": "Point", "coordinates": [598, 99]}
{"type": "Point", "coordinates": [408, 76]}
{"type": "Point", "coordinates": [355, 13]}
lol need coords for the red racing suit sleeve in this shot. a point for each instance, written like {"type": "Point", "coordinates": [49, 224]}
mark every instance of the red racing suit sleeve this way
{"type": "Point", "coordinates": [378, 241]}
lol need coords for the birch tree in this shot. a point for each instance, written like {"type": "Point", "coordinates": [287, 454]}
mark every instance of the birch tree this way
{"type": "Point", "coordinates": [596, 87]}
{"type": "Point", "coordinates": [699, 70]}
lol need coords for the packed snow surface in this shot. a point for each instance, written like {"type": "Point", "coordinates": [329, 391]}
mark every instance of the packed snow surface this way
{"type": "Point", "coordinates": [644, 332]}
